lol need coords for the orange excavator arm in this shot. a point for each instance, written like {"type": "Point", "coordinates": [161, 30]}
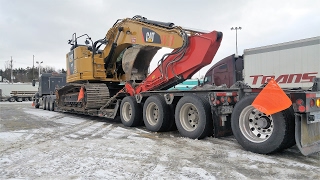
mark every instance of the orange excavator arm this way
{"type": "Point", "coordinates": [181, 64]}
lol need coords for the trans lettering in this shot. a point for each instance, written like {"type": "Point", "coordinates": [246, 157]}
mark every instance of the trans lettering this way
{"type": "Point", "coordinates": [285, 78]}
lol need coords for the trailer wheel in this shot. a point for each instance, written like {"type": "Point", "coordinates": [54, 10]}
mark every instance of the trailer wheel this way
{"type": "Point", "coordinates": [193, 117]}
{"type": "Point", "coordinates": [289, 116]}
{"type": "Point", "coordinates": [156, 114]}
{"type": "Point", "coordinates": [36, 100]}
{"type": "Point", "coordinates": [48, 99]}
{"type": "Point", "coordinates": [257, 132]}
{"type": "Point", "coordinates": [19, 99]}
{"type": "Point", "coordinates": [12, 99]}
{"type": "Point", "coordinates": [26, 99]}
{"type": "Point", "coordinates": [37, 105]}
{"type": "Point", "coordinates": [44, 103]}
{"type": "Point", "coordinates": [51, 108]}
{"type": "Point", "coordinates": [130, 112]}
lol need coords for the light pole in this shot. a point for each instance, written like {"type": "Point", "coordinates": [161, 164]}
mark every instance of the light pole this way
{"type": "Point", "coordinates": [236, 28]}
{"type": "Point", "coordinates": [39, 64]}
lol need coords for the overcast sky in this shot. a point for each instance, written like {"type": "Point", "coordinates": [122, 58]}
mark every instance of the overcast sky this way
{"type": "Point", "coordinates": [42, 27]}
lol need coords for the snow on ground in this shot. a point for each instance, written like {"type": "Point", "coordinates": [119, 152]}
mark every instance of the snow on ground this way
{"type": "Point", "coordinates": [37, 144]}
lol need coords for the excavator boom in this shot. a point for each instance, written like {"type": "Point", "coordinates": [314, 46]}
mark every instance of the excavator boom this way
{"type": "Point", "coordinates": [181, 64]}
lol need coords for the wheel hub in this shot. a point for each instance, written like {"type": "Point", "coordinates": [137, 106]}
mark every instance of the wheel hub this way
{"type": "Point", "coordinates": [189, 117]}
{"type": "Point", "coordinates": [152, 114]}
{"type": "Point", "coordinates": [255, 125]}
{"type": "Point", "coordinates": [263, 122]}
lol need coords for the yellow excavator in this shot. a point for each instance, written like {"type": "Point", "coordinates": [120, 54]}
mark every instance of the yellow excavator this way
{"type": "Point", "coordinates": [97, 77]}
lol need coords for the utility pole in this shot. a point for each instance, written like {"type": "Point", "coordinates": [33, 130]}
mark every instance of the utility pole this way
{"type": "Point", "coordinates": [33, 67]}
{"type": "Point", "coordinates": [11, 70]}
{"type": "Point", "coordinates": [236, 28]}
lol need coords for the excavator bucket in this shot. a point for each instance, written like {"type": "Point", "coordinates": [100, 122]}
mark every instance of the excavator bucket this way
{"type": "Point", "coordinates": [136, 60]}
{"type": "Point", "coordinates": [272, 99]}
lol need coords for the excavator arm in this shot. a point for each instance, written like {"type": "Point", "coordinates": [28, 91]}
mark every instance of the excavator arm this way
{"type": "Point", "coordinates": [181, 64]}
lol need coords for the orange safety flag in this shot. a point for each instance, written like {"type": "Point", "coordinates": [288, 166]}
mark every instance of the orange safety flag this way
{"type": "Point", "coordinates": [81, 94]}
{"type": "Point", "coordinates": [33, 104]}
{"type": "Point", "coordinates": [271, 99]}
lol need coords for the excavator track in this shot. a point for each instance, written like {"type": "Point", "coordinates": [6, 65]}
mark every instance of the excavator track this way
{"type": "Point", "coordinates": [96, 95]}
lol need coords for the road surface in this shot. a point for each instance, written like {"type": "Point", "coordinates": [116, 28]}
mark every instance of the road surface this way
{"type": "Point", "coordinates": [38, 144]}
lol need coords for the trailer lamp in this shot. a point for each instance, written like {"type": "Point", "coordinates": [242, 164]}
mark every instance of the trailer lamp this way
{"type": "Point", "coordinates": [222, 99]}
{"type": "Point", "coordinates": [235, 99]}
{"type": "Point", "coordinates": [318, 102]}
{"type": "Point", "coordinates": [302, 109]}
{"type": "Point", "coordinates": [217, 102]}
{"type": "Point", "coordinates": [229, 100]}
{"type": "Point", "coordinates": [312, 102]}
{"type": "Point", "coordinates": [299, 102]}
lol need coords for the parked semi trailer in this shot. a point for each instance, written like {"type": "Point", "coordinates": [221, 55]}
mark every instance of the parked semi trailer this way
{"type": "Point", "coordinates": [114, 81]}
{"type": "Point", "coordinates": [20, 96]}
{"type": "Point", "coordinates": [48, 83]}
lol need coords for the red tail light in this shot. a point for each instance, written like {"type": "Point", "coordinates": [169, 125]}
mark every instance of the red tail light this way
{"type": "Point", "coordinates": [302, 109]}
{"type": "Point", "coordinates": [312, 102]}
{"type": "Point", "coordinates": [299, 102]}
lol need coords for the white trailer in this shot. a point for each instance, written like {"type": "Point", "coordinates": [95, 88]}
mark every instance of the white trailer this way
{"type": "Point", "coordinates": [292, 64]}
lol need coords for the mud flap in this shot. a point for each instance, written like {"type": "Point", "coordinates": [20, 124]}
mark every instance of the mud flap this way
{"type": "Point", "coordinates": [307, 135]}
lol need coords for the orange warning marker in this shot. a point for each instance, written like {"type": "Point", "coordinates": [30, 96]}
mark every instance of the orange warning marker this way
{"type": "Point", "coordinates": [271, 99]}
{"type": "Point", "coordinates": [33, 104]}
{"type": "Point", "coordinates": [81, 94]}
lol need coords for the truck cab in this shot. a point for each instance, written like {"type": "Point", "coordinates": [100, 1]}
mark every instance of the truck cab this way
{"type": "Point", "coordinates": [48, 82]}
{"type": "Point", "coordinates": [226, 71]}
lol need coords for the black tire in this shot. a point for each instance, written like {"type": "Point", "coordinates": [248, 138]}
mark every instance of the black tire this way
{"type": "Point", "coordinates": [36, 100]}
{"type": "Point", "coordinates": [37, 105]}
{"type": "Point", "coordinates": [12, 99]}
{"type": "Point", "coordinates": [193, 117]}
{"type": "Point", "coordinates": [51, 108]}
{"type": "Point", "coordinates": [48, 100]}
{"type": "Point", "coordinates": [44, 103]}
{"type": "Point", "coordinates": [130, 112]}
{"type": "Point", "coordinates": [156, 114]}
{"type": "Point", "coordinates": [289, 116]}
{"type": "Point", "coordinates": [26, 99]}
{"type": "Point", "coordinates": [19, 99]}
{"type": "Point", "coordinates": [257, 132]}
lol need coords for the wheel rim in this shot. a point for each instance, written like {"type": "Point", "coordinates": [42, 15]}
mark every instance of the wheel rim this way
{"type": "Point", "coordinates": [126, 111]}
{"type": "Point", "coordinates": [152, 113]}
{"type": "Point", "coordinates": [189, 117]}
{"type": "Point", "coordinates": [255, 126]}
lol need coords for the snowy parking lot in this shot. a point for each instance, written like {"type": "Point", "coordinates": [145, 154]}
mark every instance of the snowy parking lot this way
{"type": "Point", "coordinates": [38, 144]}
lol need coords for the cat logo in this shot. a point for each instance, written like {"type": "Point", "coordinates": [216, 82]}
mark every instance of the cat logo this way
{"type": "Point", "coordinates": [149, 36]}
